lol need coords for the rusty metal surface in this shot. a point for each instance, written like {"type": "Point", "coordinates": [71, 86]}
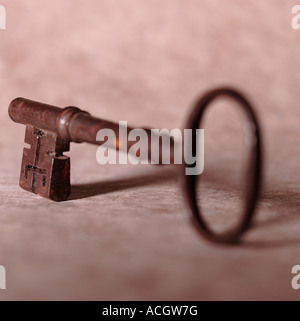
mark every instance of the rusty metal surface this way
{"type": "Point", "coordinates": [252, 180]}
{"type": "Point", "coordinates": [49, 130]}
{"type": "Point", "coordinates": [45, 170]}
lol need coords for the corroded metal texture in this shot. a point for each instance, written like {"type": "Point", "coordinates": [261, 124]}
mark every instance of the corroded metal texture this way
{"type": "Point", "coordinates": [252, 181]}
{"type": "Point", "coordinates": [49, 130]}
{"type": "Point", "coordinates": [70, 124]}
{"type": "Point", "coordinates": [45, 170]}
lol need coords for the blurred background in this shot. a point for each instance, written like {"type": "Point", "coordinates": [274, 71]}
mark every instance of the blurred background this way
{"type": "Point", "coordinates": [123, 234]}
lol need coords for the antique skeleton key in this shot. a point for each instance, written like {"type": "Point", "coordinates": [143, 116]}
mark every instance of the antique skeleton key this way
{"type": "Point", "coordinates": [49, 130]}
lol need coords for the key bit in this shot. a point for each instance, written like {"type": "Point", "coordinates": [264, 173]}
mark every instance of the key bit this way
{"type": "Point", "coordinates": [45, 170]}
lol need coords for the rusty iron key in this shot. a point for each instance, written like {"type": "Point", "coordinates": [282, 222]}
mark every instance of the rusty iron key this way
{"type": "Point", "coordinates": [45, 170]}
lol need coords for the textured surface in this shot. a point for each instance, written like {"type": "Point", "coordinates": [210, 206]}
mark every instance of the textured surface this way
{"type": "Point", "coordinates": [123, 234]}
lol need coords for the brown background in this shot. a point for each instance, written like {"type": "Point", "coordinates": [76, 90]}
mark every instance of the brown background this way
{"type": "Point", "coordinates": [124, 234]}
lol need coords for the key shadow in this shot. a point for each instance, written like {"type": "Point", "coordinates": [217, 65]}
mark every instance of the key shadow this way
{"type": "Point", "coordinates": [282, 206]}
{"type": "Point", "coordinates": [154, 177]}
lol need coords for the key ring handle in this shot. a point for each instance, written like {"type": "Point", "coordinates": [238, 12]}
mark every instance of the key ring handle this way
{"type": "Point", "coordinates": [253, 173]}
